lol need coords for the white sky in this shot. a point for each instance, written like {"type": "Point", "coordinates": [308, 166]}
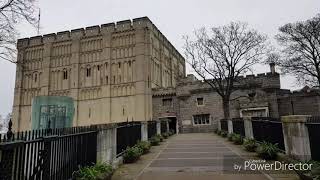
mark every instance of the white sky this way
{"type": "Point", "coordinates": [174, 18]}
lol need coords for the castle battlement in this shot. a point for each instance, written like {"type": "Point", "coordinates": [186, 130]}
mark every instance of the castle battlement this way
{"type": "Point", "coordinates": [86, 32]}
{"type": "Point", "coordinates": [265, 80]}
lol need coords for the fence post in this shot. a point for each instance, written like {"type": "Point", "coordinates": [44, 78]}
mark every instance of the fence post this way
{"type": "Point", "coordinates": [114, 142]}
{"type": "Point", "coordinates": [144, 131]}
{"type": "Point", "coordinates": [296, 137]}
{"type": "Point", "coordinates": [248, 127]}
{"type": "Point", "coordinates": [230, 127]}
{"type": "Point", "coordinates": [219, 124]}
{"type": "Point", "coordinates": [158, 127]}
{"type": "Point", "coordinates": [7, 158]}
{"type": "Point", "coordinates": [105, 143]}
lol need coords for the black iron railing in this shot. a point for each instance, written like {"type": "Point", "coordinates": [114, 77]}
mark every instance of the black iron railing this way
{"type": "Point", "coordinates": [313, 125]}
{"type": "Point", "coordinates": [238, 126]}
{"type": "Point", "coordinates": [152, 128]}
{"type": "Point", "coordinates": [47, 154]}
{"type": "Point", "coordinates": [269, 130]}
{"type": "Point", "coordinates": [128, 134]}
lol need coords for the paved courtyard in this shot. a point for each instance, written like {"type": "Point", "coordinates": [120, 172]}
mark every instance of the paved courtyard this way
{"type": "Point", "coordinates": [194, 157]}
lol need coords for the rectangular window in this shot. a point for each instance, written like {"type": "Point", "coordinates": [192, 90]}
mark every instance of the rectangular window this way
{"type": "Point", "coordinates": [201, 119]}
{"type": "Point", "coordinates": [167, 102]}
{"type": "Point", "coordinates": [200, 102]}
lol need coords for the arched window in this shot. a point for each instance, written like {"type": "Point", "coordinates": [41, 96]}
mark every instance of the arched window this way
{"type": "Point", "coordinates": [88, 72]}
{"type": "Point", "coordinates": [65, 74]}
{"type": "Point", "coordinates": [35, 77]}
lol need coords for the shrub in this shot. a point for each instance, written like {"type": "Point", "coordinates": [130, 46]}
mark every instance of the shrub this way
{"type": "Point", "coordinates": [155, 141]}
{"type": "Point", "coordinates": [237, 139]}
{"type": "Point", "coordinates": [224, 134]}
{"type": "Point", "coordinates": [144, 145]}
{"type": "Point", "coordinates": [230, 137]}
{"type": "Point", "coordinates": [171, 132]}
{"type": "Point", "coordinates": [267, 150]}
{"type": "Point", "coordinates": [132, 154]}
{"type": "Point", "coordinates": [219, 132]}
{"type": "Point", "coordinates": [165, 135]}
{"type": "Point", "coordinates": [216, 131]}
{"type": "Point", "coordinates": [98, 171]}
{"type": "Point", "coordinates": [250, 144]}
{"type": "Point", "coordinates": [315, 171]}
{"type": "Point", "coordinates": [160, 137]}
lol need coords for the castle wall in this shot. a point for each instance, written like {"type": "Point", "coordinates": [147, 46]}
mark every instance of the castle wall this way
{"type": "Point", "coordinates": [106, 70]}
{"type": "Point", "coordinates": [189, 89]}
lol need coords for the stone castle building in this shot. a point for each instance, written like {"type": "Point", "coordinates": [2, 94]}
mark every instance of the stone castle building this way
{"type": "Point", "coordinates": [107, 70]}
{"type": "Point", "coordinates": [129, 71]}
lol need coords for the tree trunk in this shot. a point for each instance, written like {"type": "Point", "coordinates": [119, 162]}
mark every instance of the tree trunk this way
{"type": "Point", "coordinates": [226, 108]}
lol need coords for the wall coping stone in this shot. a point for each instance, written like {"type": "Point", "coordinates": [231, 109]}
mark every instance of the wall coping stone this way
{"type": "Point", "coordinates": [295, 119]}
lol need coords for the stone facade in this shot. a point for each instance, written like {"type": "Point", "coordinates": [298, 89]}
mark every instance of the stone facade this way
{"type": "Point", "coordinates": [266, 99]}
{"type": "Point", "coordinates": [108, 70]}
{"type": "Point", "coordinates": [129, 71]}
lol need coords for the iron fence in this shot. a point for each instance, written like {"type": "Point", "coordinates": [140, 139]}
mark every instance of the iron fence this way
{"type": "Point", "coordinates": [163, 126]}
{"type": "Point", "coordinates": [313, 125]}
{"type": "Point", "coordinates": [238, 126]}
{"type": "Point", "coordinates": [128, 134]}
{"type": "Point", "coordinates": [47, 154]}
{"type": "Point", "coordinates": [224, 124]}
{"type": "Point", "coordinates": [152, 128]}
{"type": "Point", "coordinates": [269, 130]}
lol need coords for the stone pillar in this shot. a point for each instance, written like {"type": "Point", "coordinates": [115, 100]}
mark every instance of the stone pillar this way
{"type": "Point", "coordinates": [230, 127]}
{"type": "Point", "coordinates": [296, 136]}
{"type": "Point", "coordinates": [144, 131]}
{"type": "Point", "coordinates": [159, 127]}
{"type": "Point", "coordinates": [107, 144]}
{"type": "Point", "coordinates": [168, 125]}
{"type": "Point", "coordinates": [248, 127]}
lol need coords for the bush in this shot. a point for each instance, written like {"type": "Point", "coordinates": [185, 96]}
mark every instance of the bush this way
{"type": "Point", "coordinates": [237, 139]}
{"type": "Point", "coordinates": [160, 137]}
{"type": "Point", "coordinates": [216, 131]}
{"type": "Point", "coordinates": [250, 144]}
{"type": "Point", "coordinates": [224, 133]}
{"type": "Point", "coordinates": [132, 154]}
{"type": "Point", "coordinates": [165, 135]}
{"type": "Point", "coordinates": [144, 145]}
{"type": "Point", "coordinates": [219, 132]}
{"type": "Point", "coordinates": [171, 132]}
{"type": "Point", "coordinates": [267, 150]}
{"type": "Point", "coordinates": [98, 171]}
{"type": "Point", "coordinates": [154, 141]}
{"type": "Point", "coordinates": [230, 137]}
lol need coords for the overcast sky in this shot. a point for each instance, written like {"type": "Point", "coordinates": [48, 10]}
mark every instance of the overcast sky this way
{"type": "Point", "coordinates": [174, 18]}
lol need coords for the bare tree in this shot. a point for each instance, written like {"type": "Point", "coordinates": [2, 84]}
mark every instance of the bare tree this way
{"type": "Point", "coordinates": [301, 50]}
{"type": "Point", "coordinates": [12, 12]}
{"type": "Point", "coordinates": [222, 54]}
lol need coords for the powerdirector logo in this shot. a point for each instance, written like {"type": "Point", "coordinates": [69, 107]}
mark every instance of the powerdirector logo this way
{"type": "Point", "coordinates": [248, 165]}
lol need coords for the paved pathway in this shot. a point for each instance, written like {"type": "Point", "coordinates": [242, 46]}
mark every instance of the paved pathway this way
{"type": "Point", "coordinates": [195, 157]}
